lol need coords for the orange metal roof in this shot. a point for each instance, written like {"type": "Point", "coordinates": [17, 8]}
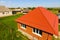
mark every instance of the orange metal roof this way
{"type": "Point", "coordinates": [42, 19]}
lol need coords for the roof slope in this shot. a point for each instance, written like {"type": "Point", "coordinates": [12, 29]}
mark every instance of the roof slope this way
{"type": "Point", "coordinates": [42, 19]}
{"type": "Point", "coordinates": [3, 8]}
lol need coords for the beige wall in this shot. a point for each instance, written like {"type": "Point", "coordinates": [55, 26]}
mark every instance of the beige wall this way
{"type": "Point", "coordinates": [2, 14]}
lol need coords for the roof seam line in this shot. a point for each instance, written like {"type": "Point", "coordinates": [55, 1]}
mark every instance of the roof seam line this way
{"type": "Point", "coordinates": [46, 19]}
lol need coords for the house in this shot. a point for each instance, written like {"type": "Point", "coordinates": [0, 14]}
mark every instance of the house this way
{"type": "Point", "coordinates": [16, 11]}
{"type": "Point", "coordinates": [4, 11]}
{"type": "Point", "coordinates": [25, 11]}
{"type": "Point", "coordinates": [38, 24]}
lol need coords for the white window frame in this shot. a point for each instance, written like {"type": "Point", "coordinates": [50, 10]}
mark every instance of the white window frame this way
{"type": "Point", "coordinates": [36, 32]}
{"type": "Point", "coordinates": [23, 27]}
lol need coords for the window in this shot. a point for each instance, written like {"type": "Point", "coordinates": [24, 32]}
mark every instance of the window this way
{"type": "Point", "coordinates": [40, 32]}
{"type": "Point", "coordinates": [6, 12]}
{"type": "Point", "coordinates": [23, 26]}
{"type": "Point", "coordinates": [36, 31]}
{"type": "Point", "coordinates": [3, 13]}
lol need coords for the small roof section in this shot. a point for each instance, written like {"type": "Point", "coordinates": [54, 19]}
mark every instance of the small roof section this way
{"type": "Point", "coordinates": [16, 10]}
{"type": "Point", "coordinates": [25, 10]}
{"type": "Point", "coordinates": [3, 9]}
{"type": "Point", "coordinates": [42, 19]}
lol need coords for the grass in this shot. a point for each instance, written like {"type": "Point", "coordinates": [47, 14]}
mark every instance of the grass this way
{"type": "Point", "coordinates": [59, 27]}
{"type": "Point", "coordinates": [8, 29]}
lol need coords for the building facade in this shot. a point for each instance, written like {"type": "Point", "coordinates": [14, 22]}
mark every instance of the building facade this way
{"type": "Point", "coordinates": [4, 11]}
{"type": "Point", "coordinates": [33, 33]}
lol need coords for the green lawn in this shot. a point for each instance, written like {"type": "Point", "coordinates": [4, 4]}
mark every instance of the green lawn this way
{"type": "Point", "coordinates": [8, 29]}
{"type": "Point", "coordinates": [59, 27]}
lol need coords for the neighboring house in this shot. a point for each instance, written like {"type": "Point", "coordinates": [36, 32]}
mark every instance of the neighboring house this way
{"type": "Point", "coordinates": [4, 11]}
{"type": "Point", "coordinates": [38, 24]}
{"type": "Point", "coordinates": [25, 11]}
{"type": "Point", "coordinates": [16, 11]}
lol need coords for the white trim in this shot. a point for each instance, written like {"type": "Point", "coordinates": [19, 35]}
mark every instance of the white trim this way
{"type": "Point", "coordinates": [23, 27]}
{"type": "Point", "coordinates": [37, 34]}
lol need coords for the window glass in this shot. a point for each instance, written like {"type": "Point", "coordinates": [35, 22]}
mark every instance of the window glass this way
{"type": "Point", "coordinates": [36, 30]}
{"type": "Point", "coordinates": [23, 25]}
{"type": "Point", "coordinates": [33, 29]}
{"type": "Point", "coordinates": [40, 32]}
